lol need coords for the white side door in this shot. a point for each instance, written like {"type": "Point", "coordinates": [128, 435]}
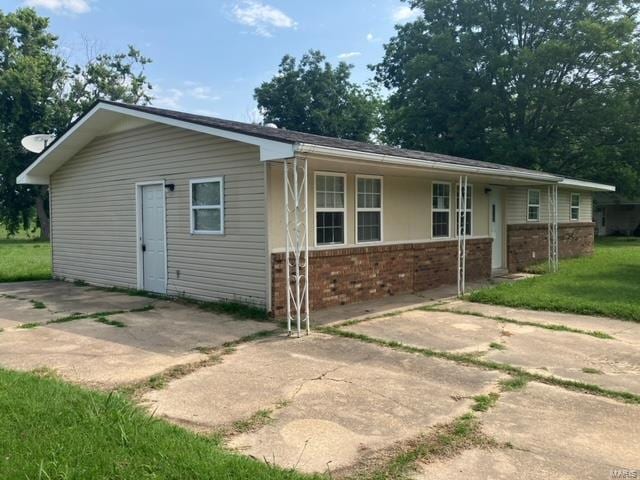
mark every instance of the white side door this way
{"type": "Point", "coordinates": [153, 238]}
{"type": "Point", "coordinates": [496, 228]}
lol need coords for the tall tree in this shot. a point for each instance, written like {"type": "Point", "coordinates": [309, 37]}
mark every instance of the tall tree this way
{"type": "Point", "coordinates": [312, 96]}
{"type": "Point", "coordinates": [551, 84]}
{"type": "Point", "coordinates": [41, 92]}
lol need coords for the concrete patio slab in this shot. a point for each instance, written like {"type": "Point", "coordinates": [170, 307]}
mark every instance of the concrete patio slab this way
{"type": "Point", "coordinates": [106, 356]}
{"type": "Point", "coordinates": [435, 330]}
{"type": "Point", "coordinates": [343, 398]}
{"type": "Point", "coordinates": [625, 331]}
{"type": "Point", "coordinates": [60, 299]}
{"type": "Point", "coordinates": [611, 364]}
{"type": "Point", "coordinates": [554, 433]}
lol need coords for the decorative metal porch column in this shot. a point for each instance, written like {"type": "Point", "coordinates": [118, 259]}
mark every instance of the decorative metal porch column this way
{"type": "Point", "coordinates": [552, 227]}
{"type": "Point", "coordinates": [296, 218]}
{"type": "Point", "coordinates": [463, 191]}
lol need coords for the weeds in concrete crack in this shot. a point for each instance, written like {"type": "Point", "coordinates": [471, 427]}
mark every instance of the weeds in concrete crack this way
{"type": "Point", "coordinates": [547, 326]}
{"type": "Point", "coordinates": [37, 304]}
{"type": "Point", "coordinates": [484, 402]}
{"type": "Point", "coordinates": [28, 325]}
{"type": "Point", "coordinates": [592, 371]}
{"type": "Point", "coordinates": [517, 382]}
{"type": "Point", "coordinates": [443, 441]}
{"type": "Point", "coordinates": [113, 323]}
{"type": "Point", "coordinates": [469, 360]}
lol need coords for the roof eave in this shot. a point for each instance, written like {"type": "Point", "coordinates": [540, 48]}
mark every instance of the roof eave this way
{"type": "Point", "coordinates": [307, 148]}
{"type": "Point", "coordinates": [585, 185]}
{"type": "Point", "coordinates": [38, 173]}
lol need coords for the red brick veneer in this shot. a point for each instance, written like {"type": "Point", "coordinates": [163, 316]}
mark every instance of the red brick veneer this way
{"type": "Point", "coordinates": [527, 243]}
{"type": "Point", "coordinates": [348, 275]}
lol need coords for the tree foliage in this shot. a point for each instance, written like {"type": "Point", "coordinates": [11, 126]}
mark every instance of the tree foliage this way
{"type": "Point", "coordinates": [41, 92]}
{"type": "Point", "coordinates": [551, 84]}
{"type": "Point", "coordinates": [312, 96]}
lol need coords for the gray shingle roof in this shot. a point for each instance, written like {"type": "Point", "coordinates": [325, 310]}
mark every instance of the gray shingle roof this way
{"type": "Point", "coordinates": [293, 137]}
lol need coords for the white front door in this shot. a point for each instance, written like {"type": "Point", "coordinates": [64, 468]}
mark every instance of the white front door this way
{"type": "Point", "coordinates": [153, 238]}
{"type": "Point", "coordinates": [496, 228]}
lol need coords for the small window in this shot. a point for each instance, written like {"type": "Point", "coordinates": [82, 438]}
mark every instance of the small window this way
{"type": "Point", "coordinates": [330, 209]}
{"type": "Point", "coordinates": [468, 210]}
{"type": "Point", "coordinates": [440, 210]}
{"type": "Point", "coordinates": [369, 209]}
{"type": "Point", "coordinates": [533, 214]}
{"type": "Point", "coordinates": [207, 206]}
{"type": "Point", "coordinates": [575, 206]}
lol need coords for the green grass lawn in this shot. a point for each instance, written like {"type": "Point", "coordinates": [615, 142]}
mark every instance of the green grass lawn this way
{"type": "Point", "coordinates": [23, 257]}
{"type": "Point", "coordinates": [608, 283]}
{"type": "Point", "coordinates": [53, 430]}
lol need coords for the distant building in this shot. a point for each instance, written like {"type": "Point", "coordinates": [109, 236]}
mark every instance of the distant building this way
{"type": "Point", "coordinates": [615, 214]}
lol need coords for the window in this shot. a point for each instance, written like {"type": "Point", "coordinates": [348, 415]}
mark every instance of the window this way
{"type": "Point", "coordinates": [533, 214]}
{"type": "Point", "coordinates": [440, 210]}
{"type": "Point", "coordinates": [330, 209]}
{"type": "Point", "coordinates": [207, 205]}
{"type": "Point", "coordinates": [575, 206]}
{"type": "Point", "coordinates": [369, 209]}
{"type": "Point", "coordinates": [468, 210]}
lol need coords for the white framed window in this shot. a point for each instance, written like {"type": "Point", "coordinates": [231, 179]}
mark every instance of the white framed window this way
{"type": "Point", "coordinates": [575, 206]}
{"type": "Point", "coordinates": [468, 210]}
{"type": "Point", "coordinates": [330, 208]}
{"type": "Point", "coordinates": [533, 206]}
{"type": "Point", "coordinates": [207, 205]}
{"type": "Point", "coordinates": [440, 209]}
{"type": "Point", "coordinates": [368, 209]}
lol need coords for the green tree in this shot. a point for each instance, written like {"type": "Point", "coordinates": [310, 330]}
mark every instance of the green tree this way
{"type": "Point", "coordinates": [41, 93]}
{"type": "Point", "coordinates": [312, 96]}
{"type": "Point", "coordinates": [550, 84]}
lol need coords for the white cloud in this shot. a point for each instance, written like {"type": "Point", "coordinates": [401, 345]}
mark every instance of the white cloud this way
{"type": "Point", "coordinates": [61, 6]}
{"type": "Point", "coordinates": [261, 17]}
{"type": "Point", "coordinates": [202, 93]}
{"type": "Point", "coordinates": [349, 55]}
{"type": "Point", "coordinates": [169, 98]}
{"type": "Point", "coordinates": [404, 13]}
{"type": "Point", "coordinates": [369, 37]}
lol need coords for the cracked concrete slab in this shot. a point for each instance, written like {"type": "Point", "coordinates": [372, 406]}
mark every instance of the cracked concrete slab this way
{"type": "Point", "coordinates": [624, 331]}
{"type": "Point", "coordinates": [344, 398]}
{"type": "Point", "coordinates": [436, 330]}
{"type": "Point", "coordinates": [106, 356]}
{"type": "Point", "coordinates": [554, 434]}
{"type": "Point", "coordinates": [611, 363]}
{"type": "Point", "coordinates": [60, 299]}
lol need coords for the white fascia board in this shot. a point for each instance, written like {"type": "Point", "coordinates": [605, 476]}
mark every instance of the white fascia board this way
{"type": "Point", "coordinates": [584, 185]}
{"type": "Point", "coordinates": [269, 149]}
{"type": "Point", "coordinates": [396, 160]}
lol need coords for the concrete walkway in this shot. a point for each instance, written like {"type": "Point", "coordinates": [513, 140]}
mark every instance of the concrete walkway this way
{"type": "Point", "coordinates": [163, 335]}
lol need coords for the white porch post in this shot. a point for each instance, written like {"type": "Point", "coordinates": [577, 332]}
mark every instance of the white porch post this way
{"type": "Point", "coordinates": [461, 213]}
{"type": "Point", "coordinates": [297, 242]}
{"type": "Point", "coordinates": [552, 227]}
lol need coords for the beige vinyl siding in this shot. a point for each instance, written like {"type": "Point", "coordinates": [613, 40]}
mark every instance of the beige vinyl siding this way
{"type": "Point", "coordinates": [517, 205]}
{"type": "Point", "coordinates": [94, 213]}
{"type": "Point", "coordinates": [406, 212]}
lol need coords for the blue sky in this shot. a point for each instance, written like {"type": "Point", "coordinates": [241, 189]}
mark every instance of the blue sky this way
{"type": "Point", "coordinates": [208, 56]}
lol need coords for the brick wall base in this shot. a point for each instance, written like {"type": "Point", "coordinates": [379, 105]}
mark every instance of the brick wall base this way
{"type": "Point", "coordinates": [527, 244]}
{"type": "Point", "coordinates": [348, 275]}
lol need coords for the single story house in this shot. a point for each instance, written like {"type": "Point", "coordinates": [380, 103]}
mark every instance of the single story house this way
{"type": "Point", "coordinates": [616, 214]}
{"type": "Point", "coordinates": [191, 205]}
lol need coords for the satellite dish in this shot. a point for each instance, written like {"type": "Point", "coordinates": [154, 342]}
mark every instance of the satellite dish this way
{"type": "Point", "coordinates": [38, 142]}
